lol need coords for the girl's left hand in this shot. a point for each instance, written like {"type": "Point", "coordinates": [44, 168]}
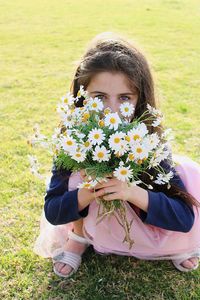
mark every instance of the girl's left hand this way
{"type": "Point", "coordinates": [115, 189]}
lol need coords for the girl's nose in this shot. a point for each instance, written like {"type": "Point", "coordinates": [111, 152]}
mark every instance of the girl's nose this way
{"type": "Point", "coordinates": [112, 103]}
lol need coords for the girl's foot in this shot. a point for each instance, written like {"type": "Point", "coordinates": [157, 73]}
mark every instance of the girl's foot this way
{"type": "Point", "coordinates": [72, 246]}
{"type": "Point", "coordinates": [186, 265]}
{"type": "Point", "coordinates": [190, 263]}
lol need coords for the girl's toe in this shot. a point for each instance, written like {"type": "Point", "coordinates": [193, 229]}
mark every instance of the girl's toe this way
{"type": "Point", "coordinates": [59, 266]}
{"type": "Point", "coordinates": [194, 261]}
{"type": "Point", "coordinates": [187, 264]}
{"type": "Point", "coordinates": [66, 270]}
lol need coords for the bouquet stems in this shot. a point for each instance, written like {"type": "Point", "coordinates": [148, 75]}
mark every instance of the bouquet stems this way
{"type": "Point", "coordinates": [116, 208]}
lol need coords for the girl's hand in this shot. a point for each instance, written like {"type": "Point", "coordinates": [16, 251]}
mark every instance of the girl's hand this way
{"type": "Point", "coordinates": [83, 175]}
{"type": "Point", "coordinates": [86, 196]}
{"type": "Point", "coordinates": [115, 189]}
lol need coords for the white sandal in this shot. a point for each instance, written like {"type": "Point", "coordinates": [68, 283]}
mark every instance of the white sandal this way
{"type": "Point", "coordinates": [67, 257]}
{"type": "Point", "coordinates": [177, 263]}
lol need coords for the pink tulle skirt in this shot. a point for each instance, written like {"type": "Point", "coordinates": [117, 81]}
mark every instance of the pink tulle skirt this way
{"type": "Point", "coordinates": [150, 242]}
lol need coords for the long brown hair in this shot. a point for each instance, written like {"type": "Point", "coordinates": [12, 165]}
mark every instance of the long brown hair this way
{"type": "Point", "coordinates": [112, 52]}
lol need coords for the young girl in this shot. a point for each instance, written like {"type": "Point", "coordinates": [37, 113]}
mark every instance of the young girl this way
{"type": "Point", "coordinates": [166, 222]}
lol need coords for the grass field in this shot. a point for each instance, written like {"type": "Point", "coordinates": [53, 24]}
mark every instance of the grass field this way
{"type": "Point", "coordinates": [40, 40]}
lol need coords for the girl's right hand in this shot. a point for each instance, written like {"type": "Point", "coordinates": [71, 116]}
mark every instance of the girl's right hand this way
{"type": "Point", "coordinates": [86, 196]}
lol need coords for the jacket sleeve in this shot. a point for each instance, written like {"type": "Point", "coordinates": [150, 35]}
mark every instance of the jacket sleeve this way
{"type": "Point", "coordinates": [61, 205]}
{"type": "Point", "coordinates": [170, 213]}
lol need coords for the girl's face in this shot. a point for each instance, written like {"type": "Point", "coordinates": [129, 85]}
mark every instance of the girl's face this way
{"type": "Point", "coordinates": [113, 89]}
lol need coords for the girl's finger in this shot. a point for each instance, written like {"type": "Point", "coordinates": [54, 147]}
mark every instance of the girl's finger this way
{"type": "Point", "coordinates": [99, 193]}
{"type": "Point", "coordinates": [110, 189]}
{"type": "Point", "coordinates": [111, 197]}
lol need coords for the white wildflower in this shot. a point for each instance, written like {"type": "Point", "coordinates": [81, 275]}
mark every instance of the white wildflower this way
{"type": "Point", "coordinates": [101, 154]}
{"type": "Point", "coordinates": [112, 120]}
{"type": "Point", "coordinates": [123, 173]}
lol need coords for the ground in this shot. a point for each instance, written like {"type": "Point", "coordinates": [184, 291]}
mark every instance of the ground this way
{"type": "Point", "coordinates": [40, 42]}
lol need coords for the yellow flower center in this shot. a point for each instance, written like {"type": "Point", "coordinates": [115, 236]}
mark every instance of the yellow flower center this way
{"type": "Point", "coordinates": [78, 155]}
{"type": "Point", "coordinates": [139, 150]}
{"type": "Point", "coordinates": [123, 172]}
{"type": "Point", "coordinates": [96, 136]}
{"type": "Point", "coordinates": [127, 138]}
{"type": "Point", "coordinates": [136, 137]}
{"type": "Point", "coordinates": [100, 154]}
{"type": "Point", "coordinates": [117, 154]}
{"type": "Point", "coordinates": [69, 143]}
{"type": "Point", "coordinates": [86, 144]}
{"type": "Point", "coordinates": [131, 156]}
{"type": "Point", "coordinates": [87, 185]}
{"type": "Point", "coordinates": [66, 101]}
{"type": "Point", "coordinates": [86, 115]}
{"type": "Point", "coordinates": [126, 109]}
{"type": "Point", "coordinates": [101, 123]}
{"type": "Point", "coordinates": [94, 105]}
{"type": "Point", "coordinates": [107, 111]}
{"type": "Point", "coordinates": [116, 140]}
{"type": "Point", "coordinates": [112, 120]}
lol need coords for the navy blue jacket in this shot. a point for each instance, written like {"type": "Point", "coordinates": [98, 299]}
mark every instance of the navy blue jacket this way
{"type": "Point", "coordinates": [61, 205]}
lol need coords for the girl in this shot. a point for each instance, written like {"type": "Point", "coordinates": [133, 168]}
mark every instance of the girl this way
{"type": "Point", "coordinates": [166, 222]}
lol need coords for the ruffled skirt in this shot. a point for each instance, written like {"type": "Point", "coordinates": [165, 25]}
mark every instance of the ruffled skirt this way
{"type": "Point", "coordinates": [150, 242]}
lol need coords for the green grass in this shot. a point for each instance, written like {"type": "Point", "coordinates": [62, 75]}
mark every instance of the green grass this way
{"type": "Point", "coordinates": [40, 40]}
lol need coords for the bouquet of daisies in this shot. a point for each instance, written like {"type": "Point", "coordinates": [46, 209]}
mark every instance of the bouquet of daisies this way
{"type": "Point", "coordinates": [104, 144]}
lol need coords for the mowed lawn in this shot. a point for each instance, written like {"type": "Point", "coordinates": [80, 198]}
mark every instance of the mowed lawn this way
{"type": "Point", "coordinates": [40, 41]}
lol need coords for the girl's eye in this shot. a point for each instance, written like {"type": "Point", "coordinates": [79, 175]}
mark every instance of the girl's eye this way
{"type": "Point", "coordinates": [125, 98]}
{"type": "Point", "coordinates": [100, 96]}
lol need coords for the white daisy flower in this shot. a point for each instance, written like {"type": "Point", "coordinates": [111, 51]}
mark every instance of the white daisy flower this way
{"type": "Point", "coordinates": [61, 110]}
{"type": "Point", "coordinates": [95, 104]}
{"type": "Point", "coordinates": [127, 109]}
{"type": "Point", "coordinates": [123, 173]}
{"type": "Point", "coordinates": [122, 148]}
{"type": "Point", "coordinates": [157, 122]}
{"type": "Point", "coordinates": [67, 99]}
{"type": "Point", "coordinates": [154, 111]}
{"type": "Point", "coordinates": [137, 134]}
{"type": "Point", "coordinates": [159, 155]}
{"type": "Point", "coordinates": [167, 134]}
{"type": "Point", "coordinates": [79, 134]}
{"type": "Point", "coordinates": [69, 144]}
{"type": "Point", "coordinates": [151, 141]}
{"type": "Point", "coordinates": [139, 150]}
{"type": "Point", "coordinates": [87, 145]}
{"type": "Point", "coordinates": [79, 156]}
{"type": "Point", "coordinates": [101, 154]}
{"type": "Point", "coordinates": [96, 136]}
{"type": "Point", "coordinates": [56, 134]}
{"type": "Point", "coordinates": [112, 120]}
{"type": "Point", "coordinates": [116, 139]}
{"type": "Point", "coordinates": [164, 178]}
{"type": "Point", "coordinates": [81, 93]}
{"type": "Point", "coordinates": [68, 119]}
{"type": "Point", "coordinates": [87, 184]}
{"type": "Point", "coordinates": [131, 157]}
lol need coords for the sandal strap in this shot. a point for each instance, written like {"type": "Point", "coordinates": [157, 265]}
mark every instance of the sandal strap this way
{"type": "Point", "coordinates": [77, 238]}
{"type": "Point", "coordinates": [70, 258]}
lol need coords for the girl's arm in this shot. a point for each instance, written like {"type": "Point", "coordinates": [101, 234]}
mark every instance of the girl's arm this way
{"type": "Point", "coordinates": [62, 206]}
{"type": "Point", "coordinates": [157, 209]}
